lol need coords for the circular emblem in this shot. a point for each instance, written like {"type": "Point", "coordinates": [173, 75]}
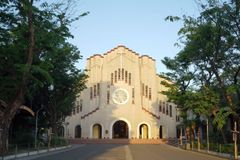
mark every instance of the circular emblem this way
{"type": "Point", "coordinates": [120, 96]}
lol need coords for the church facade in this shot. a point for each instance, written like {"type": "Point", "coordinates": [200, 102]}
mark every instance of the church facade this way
{"type": "Point", "coordinates": [123, 99]}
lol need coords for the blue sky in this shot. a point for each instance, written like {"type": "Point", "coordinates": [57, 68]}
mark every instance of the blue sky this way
{"type": "Point", "coordinates": [137, 24]}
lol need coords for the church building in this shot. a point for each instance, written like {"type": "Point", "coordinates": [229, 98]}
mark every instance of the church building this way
{"type": "Point", "coordinates": [123, 99]}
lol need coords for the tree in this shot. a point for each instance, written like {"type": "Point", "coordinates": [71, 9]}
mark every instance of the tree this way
{"type": "Point", "coordinates": [15, 101]}
{"type": "Point", "coordinates": [33, 43]}
{"type": "Point", "coordinates": [211, 52]}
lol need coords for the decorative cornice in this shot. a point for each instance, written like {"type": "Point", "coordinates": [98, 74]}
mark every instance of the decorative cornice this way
{"type": "Point", "coordinates": [148, 57]}
{"type": "Point", "coordinates": [95, 55]}
{"type": "Point", "coordinates": [121, 46]}
{"type": "Point", "coordinates": [152, 114]}
{"type": "Point", "coordinates": [89, 113]}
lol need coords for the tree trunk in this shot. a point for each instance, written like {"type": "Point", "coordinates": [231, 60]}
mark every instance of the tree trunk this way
{"type": "Point", "coordinates": [223, 136]}
{"type": "Point", "coordinates": [3, 139]}
{"type": "Point", "coordinates": [53, 123]}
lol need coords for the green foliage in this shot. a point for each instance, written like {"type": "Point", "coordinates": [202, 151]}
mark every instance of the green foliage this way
{"type": "Point", "coordinates": [206, 71]}
{"type": "Point", "coordinates": [59, 141]}
{"type": "Point", "coordinates": [53, 81]}
{"type": "Point", "coordinates": [222, 116]}
{"type": "Point", "coordinates": [172, 18]}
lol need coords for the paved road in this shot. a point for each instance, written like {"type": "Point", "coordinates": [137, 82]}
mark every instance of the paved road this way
{"type": "Point", "coordinates": [124, 152]}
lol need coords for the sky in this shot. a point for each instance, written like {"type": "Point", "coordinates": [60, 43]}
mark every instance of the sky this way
{"type": "Point", "coordinates": [136, 24]}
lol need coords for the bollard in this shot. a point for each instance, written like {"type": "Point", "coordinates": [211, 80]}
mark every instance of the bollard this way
{"type": "Point", "coordinates": [38, 148]}
{"type": "Point", "coordinates": [28, 149]}
{"type": "Point", "coordinates": [220, 148]}
{"type": "Point", "coordinates": [16, 150]}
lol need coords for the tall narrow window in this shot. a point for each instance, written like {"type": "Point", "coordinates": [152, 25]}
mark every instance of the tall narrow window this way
{"type": "Point", "coordinates": [91, 92]}
{"type": "Point", "coordinates": [163, 107]}
{"type": "Point", "coordinates": [146, 91]}
{"type": "Point", "coordinates": [130, 79]}
{"type": "Point", "coordinates": [74, 110]}
{"type": "Point", "coordinates": [122, 74]}
{"type": "Point", "coordinates": [78, 106]}
{"type": "Point", "coordinates": [108, 97]}
{"type": "Point", "coordinates": [160, 106]}
{"type": "Point", "coordinates": [115, 78]}
{"type": "Point", "coordinates": [126, 76]}
{"type": "Point", "coordinates": [133, 95]}
{"type": "Point", "coordinates": [94, 90]}
{"type": "Point", "coordinates": [111, 78]}
{"type": "Point", "coordinates": [119, 74]}
{"type": "Point", "coordinates": [177, 118]}
{"type": "Point", "coordinates": [98, 89]}
{"type": "Point", "coordinates": [142, 89]}
{"type": "Point", "coordinates": [170, 108]}
{"type": "Point", "coordinates": [81, 104]}
{"type": "Point", "coordinates": [150, 94]}
{"type": "Point", "coordinates": [166, 108]}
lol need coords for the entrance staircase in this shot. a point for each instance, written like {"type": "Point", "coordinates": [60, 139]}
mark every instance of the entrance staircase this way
{"type": "Point", "coordinates": [117, 141]}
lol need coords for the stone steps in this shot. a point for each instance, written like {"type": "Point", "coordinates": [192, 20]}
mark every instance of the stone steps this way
{"type": "Point", "coordinates": [117, 141]}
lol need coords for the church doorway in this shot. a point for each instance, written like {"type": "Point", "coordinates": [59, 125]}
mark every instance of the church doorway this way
{"type": "Point", "coordinates": [162, 132]}
{"type": "Point", "coordinates": [120, 130]}
{"type": "Point", "coordinates": [97, 131]}
{"type": "Point", "coordinates": [78, 131]}
{"type": "Point", "coordinates": [143, 131]}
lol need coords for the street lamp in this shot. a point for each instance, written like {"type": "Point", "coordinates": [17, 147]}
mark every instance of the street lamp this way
{"type": "Point", "coordinates": [1, 135]}
{"type": "Point", "coordinates": [207, 137]}
{"type": "Point", "coordinates": [36, 127]}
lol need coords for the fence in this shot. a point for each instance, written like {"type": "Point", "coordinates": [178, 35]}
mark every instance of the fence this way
{"type": "Point", "coordinates": [219, 149]}
{"type": "Point", "coordinates": [20, 150]}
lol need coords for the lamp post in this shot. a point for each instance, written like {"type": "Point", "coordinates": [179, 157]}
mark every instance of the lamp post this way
{"type": "Point", "coordinates": [36, 127]}
{"type": "Point", "coordinates": [235, 132]}
{"type": "Point", "coordinates": [1, 135]}
{"type": "Point", "coordinates": [181, 143]}
{"type": "Point", "coordinates": [207, 137]}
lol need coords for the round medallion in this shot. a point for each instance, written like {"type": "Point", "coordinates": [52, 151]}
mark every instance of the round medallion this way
{"type": "Point", "coordinates": [120, 96]}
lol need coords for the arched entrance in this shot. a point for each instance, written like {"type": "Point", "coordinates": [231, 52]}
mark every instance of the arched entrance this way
{"type": "Point", "coordinates": [120, 130]}
{"type": "Point", "coordinates": [78, 131]}
{"type": "Point", "coordinates": [97, 131]}
{"type": "Point", "coordinates": [162, 132]}
{"type": "Point", "coordinates": [60, 131]}
{"type": "Point", "coordinates": [143, 131]}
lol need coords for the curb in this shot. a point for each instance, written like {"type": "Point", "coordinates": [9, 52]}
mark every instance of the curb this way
{"type": "Point", "coordinates": [33, 153]}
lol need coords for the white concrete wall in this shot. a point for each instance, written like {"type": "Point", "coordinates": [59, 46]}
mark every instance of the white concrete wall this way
{"type": "Point", "coordinates": [143, 71]}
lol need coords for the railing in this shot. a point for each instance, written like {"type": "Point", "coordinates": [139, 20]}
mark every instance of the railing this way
{"type": "Point", "coordinates": [22, 150]}
{"type": "Point", "coordinates": [218, 149]}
